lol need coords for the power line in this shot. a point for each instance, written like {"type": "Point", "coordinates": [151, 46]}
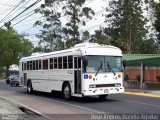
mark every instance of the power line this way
{"type": "Point", "coordinates": [4, 6]}
{"type": "Point", "coordinates": [23, 19]}
{"type": "Point", "coordinates": [25, 10]}
{"type": "Point", "coordinates": [5, 10]}
{"type": "Point", "coordinates": [11, 11]}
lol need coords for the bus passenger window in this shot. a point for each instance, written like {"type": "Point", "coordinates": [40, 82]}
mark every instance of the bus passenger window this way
{"type": "Point", "coordinates": [60, 63]}
{"type": "Point", "coordinates": [25, 66]}
{"type": "Point", "coordinates": [40, 67]}
{"type": "Point", "coordinates": [79, 62]}
{"type": "Point", "coordinates": [70, 62]}
{"type": "Point", "coordinates": [51, 63]}
{"type": "Point", "coordinates": [55, 63]}
{"type": "Point", "coordinates": [45, 64]}
{"type": "Point", "coordinates": [28, 65]}
{"type": "Point", "coordinates": [22, 66]}
{"type": "Point", "coordinates": [36, 64]}
{"type": "Point", "coordinates": [31, 65]}
{"type": "Point", "coordinates": [64, 62]}
{"type": "Point", "coordinates": [75, 62]}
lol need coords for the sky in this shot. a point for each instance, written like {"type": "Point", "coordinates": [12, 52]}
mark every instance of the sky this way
{"type": "Point", "coordinates": [26, 26]}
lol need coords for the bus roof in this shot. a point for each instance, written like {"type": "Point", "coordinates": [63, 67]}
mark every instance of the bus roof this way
{"type": "Point", "coordinates": [79, 49]}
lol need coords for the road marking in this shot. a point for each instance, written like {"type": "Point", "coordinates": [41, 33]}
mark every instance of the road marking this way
{"type": "Point", "coordinates": [77, 106]}
{"type": "Point", "coordinates": [143, 103]}
{"type": "Point", "coordinates": [142, 94]}
{"type": "Point", "coordinates": [6, 92]}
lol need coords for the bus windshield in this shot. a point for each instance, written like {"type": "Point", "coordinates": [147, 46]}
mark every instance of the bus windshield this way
{"type": "Point", "coordinates": [103, 64]}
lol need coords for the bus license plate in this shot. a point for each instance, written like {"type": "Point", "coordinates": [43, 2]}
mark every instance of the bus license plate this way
{"type": "Point", "coordinates": [106, 91]}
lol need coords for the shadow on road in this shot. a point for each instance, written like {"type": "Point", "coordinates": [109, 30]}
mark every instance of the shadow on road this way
{"type": "Point", "coordinates": [57, 96]}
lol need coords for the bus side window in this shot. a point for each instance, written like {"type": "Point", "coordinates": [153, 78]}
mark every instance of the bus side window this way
{"type": "Point", "coordinates": [51, 63]}
{"type": "Point", "coordinates": [55, 63]}
{"type": "Point", "coordinates": [22, 66]}
{"type": "Point", "coordinates": [59, 62]}
{"type": "Point", "coordinates": [70, 62]}
{"type": "Point", "coordinates": [36, 64]}
{"type": "Point", "coordinates": [28, 65]}
{"type": "Point", "coordinates": [75, 62]}
{"type": "Point", "coordinates": [64, 62]}
{"type": "Point", "coordinates": [79, 62]}
{"type": "Point", "coordinates": [31, 65]}
{"type": "Point", "coordinates": [45, 64]}
{"type": "Point", "coordinates": [25, 66]}
{"type": "Point", "coordinates": [40, 66]}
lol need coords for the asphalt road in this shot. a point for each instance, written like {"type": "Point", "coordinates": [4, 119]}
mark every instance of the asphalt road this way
{"type": "Point", "coordinates": [49, 104]}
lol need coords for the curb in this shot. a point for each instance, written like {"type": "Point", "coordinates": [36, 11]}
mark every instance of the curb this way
{"type": "Point", "coordinates": [25, 108]}
{"type": "Point", "coordinates": [140, 93]}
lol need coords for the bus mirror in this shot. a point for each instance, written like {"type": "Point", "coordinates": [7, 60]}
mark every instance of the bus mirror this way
{"type": "Point", "coordinates": [85, 61]}
{"type": "Point", "coordinates": [124, 63]}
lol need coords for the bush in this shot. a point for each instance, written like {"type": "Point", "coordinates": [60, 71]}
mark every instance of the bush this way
{"type": "Point", "coordinates": [138, 77]}
{"type": "Point", "coordinates": [158, 78]}
{"type": "Point", "coordinates": [126, 77]}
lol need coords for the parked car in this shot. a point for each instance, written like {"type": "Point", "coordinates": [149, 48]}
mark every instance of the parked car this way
{"type": "Point", "coordinates": [15, 81]}
{"type": "Point", "coordinates": [8, 80]}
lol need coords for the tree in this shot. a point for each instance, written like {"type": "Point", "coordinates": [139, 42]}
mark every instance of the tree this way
{"type": "Point", "coordinates": [156, 8]}
{"type": "Point", "coordinates": [126, 22]}
{"type": "Point", "coordinates": [51, 34]}
{"type": "Point", "coordinates": [102, 37]}
{"type": "Point", "coordinates": [13, 47]}
{"type": "Point", "coordinates": [77, 14]}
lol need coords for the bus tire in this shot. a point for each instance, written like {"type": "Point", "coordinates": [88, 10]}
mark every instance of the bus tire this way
{"type": "Point", "coordinates": [102, 97]}
{"type": "Point", "coordinates": [29, 87]}
{"type": "Point", "coordinates": [67, 91]}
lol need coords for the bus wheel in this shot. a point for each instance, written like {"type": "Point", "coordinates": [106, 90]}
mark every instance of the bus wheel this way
{"type": "Point", "coordinates": [102, 97]}
{"type": "Point", "coordinates": [67, 91]}
{"type": "Point", "coordinates": [29, 87]}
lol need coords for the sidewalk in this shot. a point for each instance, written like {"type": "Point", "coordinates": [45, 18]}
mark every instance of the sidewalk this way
{"type": "Point", "coordinates": [12, 111]}
{"type": "Point", "coordinates": [8, 108]}
{"type": "Point", "coordinates": [143, 92]}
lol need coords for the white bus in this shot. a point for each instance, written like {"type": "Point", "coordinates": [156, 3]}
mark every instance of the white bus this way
{"type": "Point", "coordinates": [87, 69]}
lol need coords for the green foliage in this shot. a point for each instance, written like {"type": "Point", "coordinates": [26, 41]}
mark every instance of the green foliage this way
{"type": "Point", "coordinates": [156, 7]}
{"type": "Point", "coordinates": [126, 22]}
{"type": "Point", "coordinates": [100, 37]}
{"type": "Point", "coordinates": [51, 34]}
{"type": "Point", "coordinates": [138, 77]}
{"type": "Point", "coordinates": [158, 78]}
{"type": "Point", "coordinates": [77, 15]}
{"type": "Point", "coordinates": [126, 77]}
{"type": "Point", "coordinates": [12, 47]}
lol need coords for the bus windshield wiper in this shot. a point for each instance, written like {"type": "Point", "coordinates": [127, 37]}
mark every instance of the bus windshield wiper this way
{"type": "Point", "coordinates": [100, 67]}
{"type": "Point", "coordinates": [108, 65]}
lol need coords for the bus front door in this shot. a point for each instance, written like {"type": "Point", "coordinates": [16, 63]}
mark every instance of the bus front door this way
{"type": "Point", "coordinates": [77, 75]}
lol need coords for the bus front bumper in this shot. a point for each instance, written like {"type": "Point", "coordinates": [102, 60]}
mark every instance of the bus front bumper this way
{"type": "Point", "coordinates": [103, 91]}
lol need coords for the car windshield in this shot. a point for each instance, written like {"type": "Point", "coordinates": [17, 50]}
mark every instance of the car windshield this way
{"type": "Point", "coordinates": [16, 78]}
{"type": "Point", "coordinates": [103, 64]}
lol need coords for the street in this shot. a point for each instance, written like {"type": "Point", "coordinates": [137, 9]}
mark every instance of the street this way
{"type": "Point", "coordinates": [48, 104]}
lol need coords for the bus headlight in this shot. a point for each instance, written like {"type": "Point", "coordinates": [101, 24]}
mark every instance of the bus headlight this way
{"type": "Point", "coordinates": [117, 84]}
